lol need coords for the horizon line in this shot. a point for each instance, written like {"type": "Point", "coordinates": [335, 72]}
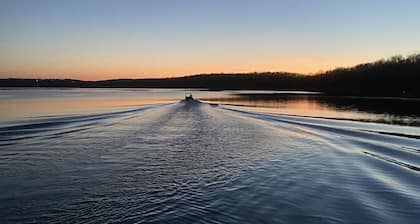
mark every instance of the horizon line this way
{"type": "Point", "coordinates": [319, 72]}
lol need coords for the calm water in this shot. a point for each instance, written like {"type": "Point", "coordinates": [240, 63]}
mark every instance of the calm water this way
{"type": "Point", "coordinates": [142, 156]}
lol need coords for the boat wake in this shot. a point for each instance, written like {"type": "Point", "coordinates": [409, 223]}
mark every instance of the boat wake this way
{"type": "Point", "coordinates": [191, 162]}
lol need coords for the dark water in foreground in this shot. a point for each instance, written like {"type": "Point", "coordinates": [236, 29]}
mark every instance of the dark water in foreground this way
{"type": "Point", "coordinates": [192, 162]}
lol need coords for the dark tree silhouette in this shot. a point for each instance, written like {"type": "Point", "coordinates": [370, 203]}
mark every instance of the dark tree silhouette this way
{"type": "Point", "coordinates": [396, 76]}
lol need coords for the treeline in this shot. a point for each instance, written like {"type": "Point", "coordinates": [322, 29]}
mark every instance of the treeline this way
{"type": "Point", "coordinates": [206, 81]}
{"type": "Point", "coordinates": [396, 76]}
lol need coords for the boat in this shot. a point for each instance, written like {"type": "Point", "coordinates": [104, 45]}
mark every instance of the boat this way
{"type": "Point", "coordinates": [189, 97]}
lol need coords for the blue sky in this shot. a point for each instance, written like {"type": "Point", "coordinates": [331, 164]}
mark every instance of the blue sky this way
{"type": "Point", "coordinates": [99, 39]}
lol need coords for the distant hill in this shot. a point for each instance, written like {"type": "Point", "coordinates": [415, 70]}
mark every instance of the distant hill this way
{"type": "Point", "coordinates": [396, 76]}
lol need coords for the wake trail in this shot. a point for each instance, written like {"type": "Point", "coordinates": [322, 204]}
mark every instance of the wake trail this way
{"type": "Point", "coordinates": [399, 149]}
{"type": "Point", "coordinates": [202, 160]}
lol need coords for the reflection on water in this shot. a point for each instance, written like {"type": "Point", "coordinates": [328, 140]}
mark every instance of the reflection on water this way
{"type": "Point", "coordinates": [25, 103]}
{"type": "Point", "coordinates": [383, 110]}
{"type": "Point", "coordinates": [189, 162]}
{"type": "Point", "coordinates": [59, 107]}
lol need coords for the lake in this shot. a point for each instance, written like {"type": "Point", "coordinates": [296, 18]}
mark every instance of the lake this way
{"type": "Point", "coordinates": [144, 156]}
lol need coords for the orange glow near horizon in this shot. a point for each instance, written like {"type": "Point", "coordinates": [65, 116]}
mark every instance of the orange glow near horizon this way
{"type": "Point", "coordinates": [125, 68]}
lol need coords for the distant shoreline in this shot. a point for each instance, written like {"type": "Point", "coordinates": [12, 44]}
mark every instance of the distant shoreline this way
{"type": "Point", "coordinates": [395, 77]}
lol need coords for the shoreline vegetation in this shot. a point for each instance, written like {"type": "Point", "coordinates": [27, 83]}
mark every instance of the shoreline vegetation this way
{"type": "Point", "coordinates": [396, 76]}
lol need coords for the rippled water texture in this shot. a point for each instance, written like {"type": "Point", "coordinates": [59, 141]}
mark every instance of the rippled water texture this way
{"type": "Point", "coordinates": [192, 162]}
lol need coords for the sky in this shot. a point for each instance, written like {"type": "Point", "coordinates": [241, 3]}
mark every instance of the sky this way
{"type": "Point", "coordinates": [105, 39]}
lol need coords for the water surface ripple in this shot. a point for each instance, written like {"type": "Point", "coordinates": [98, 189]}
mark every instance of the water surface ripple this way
{"type": "Point", "coordinates": [197, 163]}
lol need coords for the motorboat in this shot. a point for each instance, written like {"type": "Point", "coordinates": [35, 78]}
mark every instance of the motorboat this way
{"type": "Point", "coordinates": [189, 97]}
